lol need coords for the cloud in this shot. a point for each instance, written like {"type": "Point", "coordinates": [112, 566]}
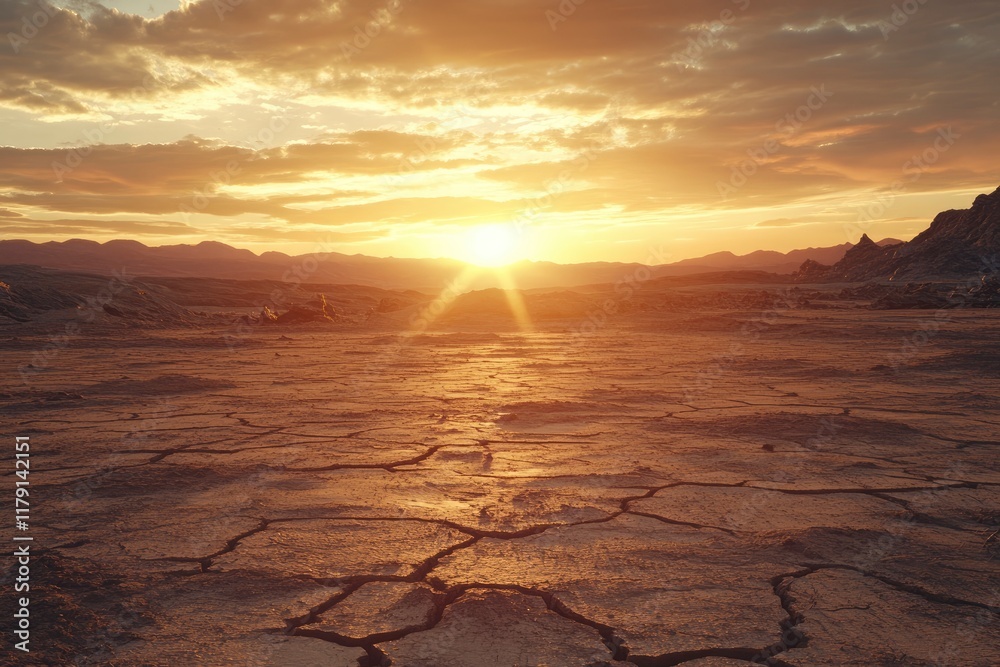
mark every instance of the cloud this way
{"type": "Point", "coordinates": [260, 233]}
{"type": "Point", "coordinates": [81, 227]}
{"type": "Point", "coordinates": [162, 178]}
{"type": "Point", "coordinates": [452, 111]}
{"type": "Point", "coordinates": [779, 222]}
{"type": "Point", "coordinates": [841, 216]}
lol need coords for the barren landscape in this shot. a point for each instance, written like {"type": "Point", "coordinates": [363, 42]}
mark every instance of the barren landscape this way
{"type": "Point", "coordinates": [784, 486]}
{"type": "Point", "coordinates": [499, 333]}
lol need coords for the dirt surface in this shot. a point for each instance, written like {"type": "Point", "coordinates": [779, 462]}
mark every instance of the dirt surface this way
{"type": "Point", "coordinates": [709, 489]}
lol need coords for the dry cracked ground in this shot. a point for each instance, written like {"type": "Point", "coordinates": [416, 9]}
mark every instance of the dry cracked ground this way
{"type": "Point", "coordinates": [679, 489]}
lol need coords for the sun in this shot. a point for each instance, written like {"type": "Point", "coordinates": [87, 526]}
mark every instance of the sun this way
{"type": "Point", "coordinates": [492, 245]}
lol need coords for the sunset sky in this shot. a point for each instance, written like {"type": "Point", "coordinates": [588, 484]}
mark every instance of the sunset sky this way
{"type": "Point", "coordinates": [593, 129]}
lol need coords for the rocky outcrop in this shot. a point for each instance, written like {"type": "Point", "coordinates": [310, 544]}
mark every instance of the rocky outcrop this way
{"type": "Point", "coordinates": [302, 315]}
{"type": "Point", "coordinates": [958, 244]}
{"type": "Point", "coordinates": [983, 292]}
{"type": "Point", "coordinates": [977, 227]}
{"type": "Point", "coordinates": [12, 306]}
{"type": "Point", "coordinates": [315, 310]}
{"type": "Point", "coordinates": [913, 296]}
{"type": "Point", "coordinates": [28, 292]}
{"type": "Point", "coordinates": [984, 295]}
{"type": "Point", "coordinates": [864, 261]}
{"type": "Point", "coordinates": [811, 271]}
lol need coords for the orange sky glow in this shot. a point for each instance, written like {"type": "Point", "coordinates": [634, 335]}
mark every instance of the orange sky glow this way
{"type": "Point", "coordinates": [495, 130]}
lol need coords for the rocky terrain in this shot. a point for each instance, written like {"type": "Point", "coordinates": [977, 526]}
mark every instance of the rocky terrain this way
{"type": "Point", "coordinates": [957, 245]}
{"type": "Point", "coordinates": [63, 299]}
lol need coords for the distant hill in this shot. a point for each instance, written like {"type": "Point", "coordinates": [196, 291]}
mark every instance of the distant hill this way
{"type": "Point", "coordinates": [771, 260]}
{"type": "Point", "coordinates": [212, 259]}
{"type": "Point", "coordinates": [958, 244]}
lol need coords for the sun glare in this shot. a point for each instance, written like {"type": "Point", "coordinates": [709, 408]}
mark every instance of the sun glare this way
{"type": "Point", "coordinates": [492, 245]}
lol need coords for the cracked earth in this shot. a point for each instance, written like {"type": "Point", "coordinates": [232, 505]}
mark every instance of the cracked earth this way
{"type": "Point", "coordinates": [642, 497]}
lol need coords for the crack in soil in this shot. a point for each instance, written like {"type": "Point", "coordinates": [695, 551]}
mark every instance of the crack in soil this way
{"type": "Point", "coordinates": [751, 655]}
{"type": "Point", "coordinates": [389, 467]}
{"type": "Point", "coordinates": [912, 589]}
{"type": "Point", "coordinates": [445, 597]}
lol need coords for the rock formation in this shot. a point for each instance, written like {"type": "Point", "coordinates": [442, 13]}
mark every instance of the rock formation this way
{"type": "Point", "coordinates": [957, 245]}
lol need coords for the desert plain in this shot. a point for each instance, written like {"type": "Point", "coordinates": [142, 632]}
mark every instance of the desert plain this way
{"type": "Point", "coordinates": [714, 485]}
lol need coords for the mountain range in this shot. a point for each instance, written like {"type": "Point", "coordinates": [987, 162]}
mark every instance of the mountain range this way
{"type": "Point", "coordinates": [211, 259]}
{"type": "Point", "coordinates": [958, 244]}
